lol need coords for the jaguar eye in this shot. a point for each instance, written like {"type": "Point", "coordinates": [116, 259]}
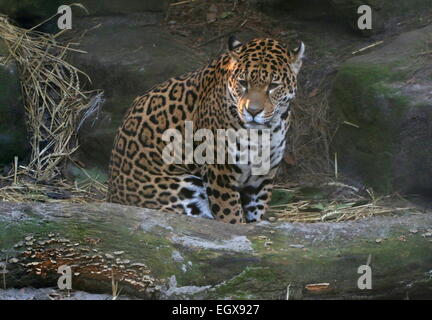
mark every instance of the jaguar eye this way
{"type": "Point", "coordinates": [243, 83]}
{"type": "Point", "coordinates": [273, 86]}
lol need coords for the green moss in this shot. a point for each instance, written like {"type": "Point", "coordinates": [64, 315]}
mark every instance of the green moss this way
{"type": "Point", "coordinates": [264, 273]}
{"type": "Point", "coordinates": [206, 267]}
{"type": "Point", "coordinates": [82, 177]}
{"type": "Point", "coordinates": [283, 266]}
{"type": "Point", "coordinates": [244, 284]}
{"type": "Point", "coordinates": [362, 96]}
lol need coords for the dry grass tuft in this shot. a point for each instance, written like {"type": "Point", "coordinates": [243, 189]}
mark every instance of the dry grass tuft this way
{"type": "Point", "coordinates": [311, 133]}
{"type": "Point", "coordinates": [302, 211]}
{"type": "Point", "coordinates": [55, 106]}
{"type": "Point", "coordinates": [308, 158]}
{"type": "Point", "coordinates": [54, 102]}
{"type": "Point", "coordinates": [342, 203]}
{"type": "Point", "coordinates": [58, 190]}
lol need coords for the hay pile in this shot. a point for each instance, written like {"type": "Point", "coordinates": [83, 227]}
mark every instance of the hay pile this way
{"type": "Point", "coordinates": [56, 105]}
{"type": "Point", "coordinates": [54, 101]}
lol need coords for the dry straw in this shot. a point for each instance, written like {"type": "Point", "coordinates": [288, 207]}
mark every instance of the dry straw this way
{"type": "Point", "coordinates": [337, 202]}
{"type": "Point", "coordinates": [335, 211]}
{"type": "Point", "coordinates": [54, 101]}
{"type": "Point", "coordinates": [311, 132]}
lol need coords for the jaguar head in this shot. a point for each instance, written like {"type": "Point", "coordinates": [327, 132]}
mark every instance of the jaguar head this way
{"type": "Point", "coordinates": [262, 79]}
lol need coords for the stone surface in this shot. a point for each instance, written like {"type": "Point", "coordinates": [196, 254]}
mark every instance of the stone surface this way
{"type": "Point", "coordinates": [30, 9]}
{"type": "Point", "coordinates": [28, 13]}
{"type": "Point", "coordinates": [383, 11]}
{"type": "Point", "coordinates": [52, 294]}
{"type": "Point", "coordinates": [13, 134]}
{"type": "Point", "coordinates": [127, 55]}
{"type": "Point", "coordinates": [387, 94]}
{"type": "Point", "coordinates": [345, 11]}
{"type": "Point", "coordinates": [105, 7]}
{"type": "Point", "coordinates": [40, 9]}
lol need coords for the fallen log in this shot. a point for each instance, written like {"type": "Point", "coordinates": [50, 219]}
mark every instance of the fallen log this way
{"type": "Point", "coordinates": [153, 255]}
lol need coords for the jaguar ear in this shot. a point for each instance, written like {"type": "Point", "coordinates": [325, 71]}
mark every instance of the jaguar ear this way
{"type": "Point", "coordinates": [233, 43]}
{"type": "Point", "coordinates": [297, 57]}
{"type": "Point", "coordinates": [233, 46]}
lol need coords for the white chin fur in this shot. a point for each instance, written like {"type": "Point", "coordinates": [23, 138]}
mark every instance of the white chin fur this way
{"type": "Point", "coordinates": [259, 118]}
{"type": "Point", "coordinates": [254, 125]}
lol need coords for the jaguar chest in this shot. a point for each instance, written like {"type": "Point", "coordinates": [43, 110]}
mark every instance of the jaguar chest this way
{"type": "Point", "coordinates": [265, 155]}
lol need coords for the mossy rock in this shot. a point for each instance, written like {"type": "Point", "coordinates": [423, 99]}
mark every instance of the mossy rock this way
{"type": "Point", "coordinates": [158, 255]}
{"type": "Point", "coordinates": [384, 113]}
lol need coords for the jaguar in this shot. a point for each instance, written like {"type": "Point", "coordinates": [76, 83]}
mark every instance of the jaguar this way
{"type": "Point", "coordinates": [249, 87]}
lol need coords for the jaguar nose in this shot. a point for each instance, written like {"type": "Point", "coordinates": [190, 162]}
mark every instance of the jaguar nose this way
{"type": "Point", "coordinates": [253, 111]}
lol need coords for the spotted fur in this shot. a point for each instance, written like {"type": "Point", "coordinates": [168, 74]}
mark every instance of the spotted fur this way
{"type": "Point", "coordinates": [248, 87]}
